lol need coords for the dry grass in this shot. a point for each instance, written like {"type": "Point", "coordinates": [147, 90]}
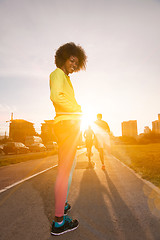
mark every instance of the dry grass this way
{"type": "Point", "coordinates": [12, 159]}
{"type": "Point", "coordinates": [144, 159]}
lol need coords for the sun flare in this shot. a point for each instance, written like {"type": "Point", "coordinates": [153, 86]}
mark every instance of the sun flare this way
{"type": "Point", "coordinates": [87, 120]}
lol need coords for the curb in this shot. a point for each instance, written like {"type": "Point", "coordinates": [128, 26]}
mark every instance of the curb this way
{"type": "Point", "coordinates": [151, 186]}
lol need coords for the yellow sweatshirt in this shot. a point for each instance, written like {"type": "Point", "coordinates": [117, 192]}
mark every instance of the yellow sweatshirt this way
{"type": "Point", "coordinates": [63, 98]}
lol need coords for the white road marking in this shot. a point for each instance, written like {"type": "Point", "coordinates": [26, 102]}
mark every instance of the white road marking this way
{"type": "Point", "coordinates": [34, 175]}
{"type": "Point", "coordinates": [25, 179]}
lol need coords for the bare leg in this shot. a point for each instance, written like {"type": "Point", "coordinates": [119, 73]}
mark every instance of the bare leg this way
{"type": "Point", "coordinates": [70, 178]}
{"type": "Point", "coordinates": [66, 153]}
{"type": "Point", "coordinates": [101, 154]}
{"type": "Point", "coordinates": [89, 153]}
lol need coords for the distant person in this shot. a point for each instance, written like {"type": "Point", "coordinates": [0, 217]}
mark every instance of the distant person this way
{"type": "Point", "coordinates": [89, 137]}
{"type": "Point", "coordinates": [102, 138]}
{"type": "Point", "coordinates": [69, 58]}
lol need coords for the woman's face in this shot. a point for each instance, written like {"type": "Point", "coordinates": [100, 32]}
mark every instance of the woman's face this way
{"type": "Point", "coordinates": [70, 65]}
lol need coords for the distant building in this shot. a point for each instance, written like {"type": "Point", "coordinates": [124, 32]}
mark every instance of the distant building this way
{"type": "Point", "coordinates": [47, 131]}
{"type": "Point", "coordinates": [156, 125]}
{"type": "Point", "coordinates": [19, 129]}
{"type": "Point", "coordinates": [147, 130]}
{"type": "Point", "coordinates": [129, 128]}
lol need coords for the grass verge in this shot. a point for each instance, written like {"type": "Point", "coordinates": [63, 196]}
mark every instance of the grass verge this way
{"type": "Point", "coordinates": [143, 159]}
{"type": "Point", "coordinates": [12, 159]}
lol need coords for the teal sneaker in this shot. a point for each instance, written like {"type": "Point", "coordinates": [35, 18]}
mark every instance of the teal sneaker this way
{"type": "Point", "coordinates": [67, 209]}
{"type": "Point", "coordinates": [67, 226]}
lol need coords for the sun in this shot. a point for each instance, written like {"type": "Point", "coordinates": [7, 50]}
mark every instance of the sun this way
{"type": "Point", "coordinates": [87, 120]}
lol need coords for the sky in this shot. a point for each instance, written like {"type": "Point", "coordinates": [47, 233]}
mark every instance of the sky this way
{"type": "Point", "coordinates": [121, 39]}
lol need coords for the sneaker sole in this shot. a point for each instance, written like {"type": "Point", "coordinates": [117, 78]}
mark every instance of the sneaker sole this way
{"type": "Point", "coordinates": [68, 230]}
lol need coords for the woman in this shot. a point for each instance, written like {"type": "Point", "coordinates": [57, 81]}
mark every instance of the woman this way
{"type": "Point", "coordinates": [69, 58]}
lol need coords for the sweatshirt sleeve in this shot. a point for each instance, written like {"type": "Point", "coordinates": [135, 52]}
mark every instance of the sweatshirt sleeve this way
{"type": "Point", "coordinates": [59, 96]}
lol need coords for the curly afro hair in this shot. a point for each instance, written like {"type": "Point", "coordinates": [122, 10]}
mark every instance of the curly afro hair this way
{"type": "Point", "coordinates": [70, 49]}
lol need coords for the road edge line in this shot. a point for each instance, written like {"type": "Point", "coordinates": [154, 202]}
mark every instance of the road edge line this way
{"type": "Point", "coordinates": [25, 179]}
{"type": "Point", "coordinates": [32, 176]}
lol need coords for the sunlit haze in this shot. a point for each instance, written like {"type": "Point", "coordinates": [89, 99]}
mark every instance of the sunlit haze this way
{"type": "Point", "coordinates": [121, 39]}
{"type": "Point", "coordinates": [88, 118]}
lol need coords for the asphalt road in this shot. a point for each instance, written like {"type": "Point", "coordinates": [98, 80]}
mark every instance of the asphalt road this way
{"type": "Point", "coordinates": [111, 205]}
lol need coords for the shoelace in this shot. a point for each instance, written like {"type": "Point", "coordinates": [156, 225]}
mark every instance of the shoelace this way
{"type": "Point", "coordinates": [68, 219]}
